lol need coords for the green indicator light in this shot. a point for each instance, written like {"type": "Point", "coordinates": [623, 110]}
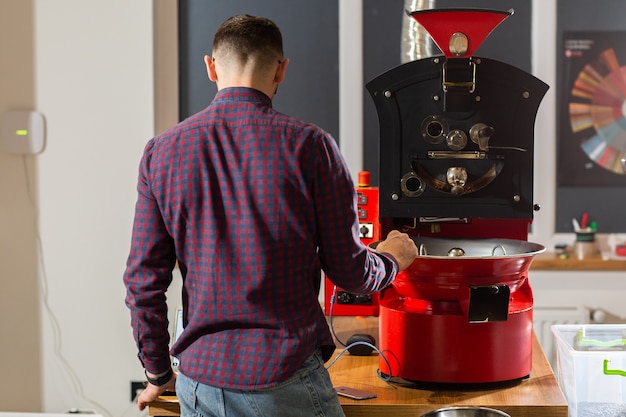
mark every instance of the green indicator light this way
{"type": "Point", "coordinates": [21, 132]}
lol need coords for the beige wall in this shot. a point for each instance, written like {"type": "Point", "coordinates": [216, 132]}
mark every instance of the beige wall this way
{"type": "Point", "coordinates": [19, 290]}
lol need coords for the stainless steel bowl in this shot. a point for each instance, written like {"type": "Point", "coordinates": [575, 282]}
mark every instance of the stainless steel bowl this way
{"type": "Point", "coordinates": [447, 267]}
{"type": "Point", "coordinates": [466, 412]}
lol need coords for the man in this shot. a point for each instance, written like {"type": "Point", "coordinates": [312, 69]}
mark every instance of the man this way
{"type": "Point", "coordinates": [252, 204]}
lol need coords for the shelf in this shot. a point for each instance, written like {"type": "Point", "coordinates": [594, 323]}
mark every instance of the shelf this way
{"type": "Point", "coordinates": [551, 261]}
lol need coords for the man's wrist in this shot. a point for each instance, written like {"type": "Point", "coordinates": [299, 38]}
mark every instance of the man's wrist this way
{"type": "Point", "coordinates": [160, 380]}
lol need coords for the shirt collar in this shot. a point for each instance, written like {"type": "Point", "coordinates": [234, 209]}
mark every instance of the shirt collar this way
{"type": "Point", "coordinates": [242, 94]}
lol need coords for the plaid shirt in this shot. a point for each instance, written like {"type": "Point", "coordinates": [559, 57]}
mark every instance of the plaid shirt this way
{"type": "Point", "coordinates": [252, 204]}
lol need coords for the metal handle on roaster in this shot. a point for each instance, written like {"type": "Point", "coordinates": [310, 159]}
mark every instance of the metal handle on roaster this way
{"type": "Point", "coordinates": [498, 246]}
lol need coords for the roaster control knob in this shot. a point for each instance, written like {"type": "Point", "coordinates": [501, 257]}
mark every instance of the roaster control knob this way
{"type": "Point", "coordinates": [456, 177]}
{"type": "Point", "coordinates": [480, 134]}
{"type": "Point", "coordinates": [456, 140]}
{"type": "Point", "coordinates": [536, 207]}
{"type": "Point", "coordinates": [344, 298]}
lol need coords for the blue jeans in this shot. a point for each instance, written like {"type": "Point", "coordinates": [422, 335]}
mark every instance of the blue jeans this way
{"type": "Point", "coordinates": [307, 393]}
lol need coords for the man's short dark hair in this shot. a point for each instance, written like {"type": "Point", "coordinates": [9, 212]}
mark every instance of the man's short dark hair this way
{"type": "Point", "coordinates": [246, 37]}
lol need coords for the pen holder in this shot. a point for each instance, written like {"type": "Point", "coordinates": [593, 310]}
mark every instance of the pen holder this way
{"type": "Point", "coordinates": [585, 245]}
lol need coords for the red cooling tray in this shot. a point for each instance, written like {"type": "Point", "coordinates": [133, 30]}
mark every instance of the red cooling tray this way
{"type": "Point", "coordinates": [475, 24]}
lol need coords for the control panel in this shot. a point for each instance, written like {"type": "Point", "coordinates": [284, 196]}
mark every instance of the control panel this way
{"type": "Point", "coordinates": [346, 303]}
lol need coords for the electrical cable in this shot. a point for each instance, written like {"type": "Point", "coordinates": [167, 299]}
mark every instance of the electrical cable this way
{"type": "Point", "coordinates": [344, 350]}
{"type": "Point", "coordinates": [45, 293]}
{"type": "Point", "coordinates": [333, 297]}
{"type": "Point", "coordinates": [346, 347]}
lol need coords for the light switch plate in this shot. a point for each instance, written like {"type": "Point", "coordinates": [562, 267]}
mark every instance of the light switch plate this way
{"type": "Point", "coordinates": [22, 132]}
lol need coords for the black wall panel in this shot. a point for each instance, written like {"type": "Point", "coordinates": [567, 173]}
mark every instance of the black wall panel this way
{"type": "Point", "coordinates": [311, 42]}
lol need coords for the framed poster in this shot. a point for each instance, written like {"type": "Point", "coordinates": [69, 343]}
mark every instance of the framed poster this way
{"type": "Point", "coordinates": [592, 142]}
{"type": "Point", "coordinates": [591, 114]}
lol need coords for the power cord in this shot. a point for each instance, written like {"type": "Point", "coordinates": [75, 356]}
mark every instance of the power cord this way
{"type": "Point", "coordinates": [346, 347]}
{"type": "Point", "coordinates": [333, 297]}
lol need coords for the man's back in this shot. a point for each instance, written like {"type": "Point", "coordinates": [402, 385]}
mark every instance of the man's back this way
{"type": "Point", "coordinates": [237, 187]}
{"type": "Point", "coordinates": [253, 205]}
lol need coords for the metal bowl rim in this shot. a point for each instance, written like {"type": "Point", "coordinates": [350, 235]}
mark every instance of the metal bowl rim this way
{"type": "Point", "coordinates": [434, 413]}
{"type": "Point", "coordinates": [539, 248]}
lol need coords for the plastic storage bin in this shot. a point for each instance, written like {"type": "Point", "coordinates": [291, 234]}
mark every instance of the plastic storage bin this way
{"type": "Point", "coordinates": [591, 368]}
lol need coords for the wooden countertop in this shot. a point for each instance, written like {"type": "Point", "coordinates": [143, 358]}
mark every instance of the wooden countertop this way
{"type": "Point", "coordinates": [551, 261]}
{"type": "Point", "coordinates": [539, 395]}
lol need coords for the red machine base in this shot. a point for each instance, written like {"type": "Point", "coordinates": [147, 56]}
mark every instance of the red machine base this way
{"type": "Point", "coordinates": [434, 343]}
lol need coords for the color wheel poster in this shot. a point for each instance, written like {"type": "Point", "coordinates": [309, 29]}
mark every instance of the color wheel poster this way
{"type": "Point", "coordinates": [592, 129]}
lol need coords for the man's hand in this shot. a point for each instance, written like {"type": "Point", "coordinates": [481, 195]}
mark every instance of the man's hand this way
{"type": "Point", "coordinates": [401, 247]}
{"type": "Point", "coordinates": [151, 392]}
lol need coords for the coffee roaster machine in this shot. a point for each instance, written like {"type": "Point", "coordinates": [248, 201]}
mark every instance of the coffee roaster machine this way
{"type": "Point", "coordinates": [456, 173]}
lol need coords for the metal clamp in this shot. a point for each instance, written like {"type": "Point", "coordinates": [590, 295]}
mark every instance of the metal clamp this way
{"type": "Point", "coordinates": [469, 84]}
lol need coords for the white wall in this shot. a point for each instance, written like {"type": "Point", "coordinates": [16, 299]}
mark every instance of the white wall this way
{"type": "Point", "coordinates": [94, 84]}
{"type": "Point", "coordinates": [544, 68]}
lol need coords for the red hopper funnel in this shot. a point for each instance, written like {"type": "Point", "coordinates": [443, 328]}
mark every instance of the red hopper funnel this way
{"type": "Point", "coordinates": [459, 32]}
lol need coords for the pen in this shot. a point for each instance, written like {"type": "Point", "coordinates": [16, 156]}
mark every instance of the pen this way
{"type": "Point", "coordinates": [583, 220]}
